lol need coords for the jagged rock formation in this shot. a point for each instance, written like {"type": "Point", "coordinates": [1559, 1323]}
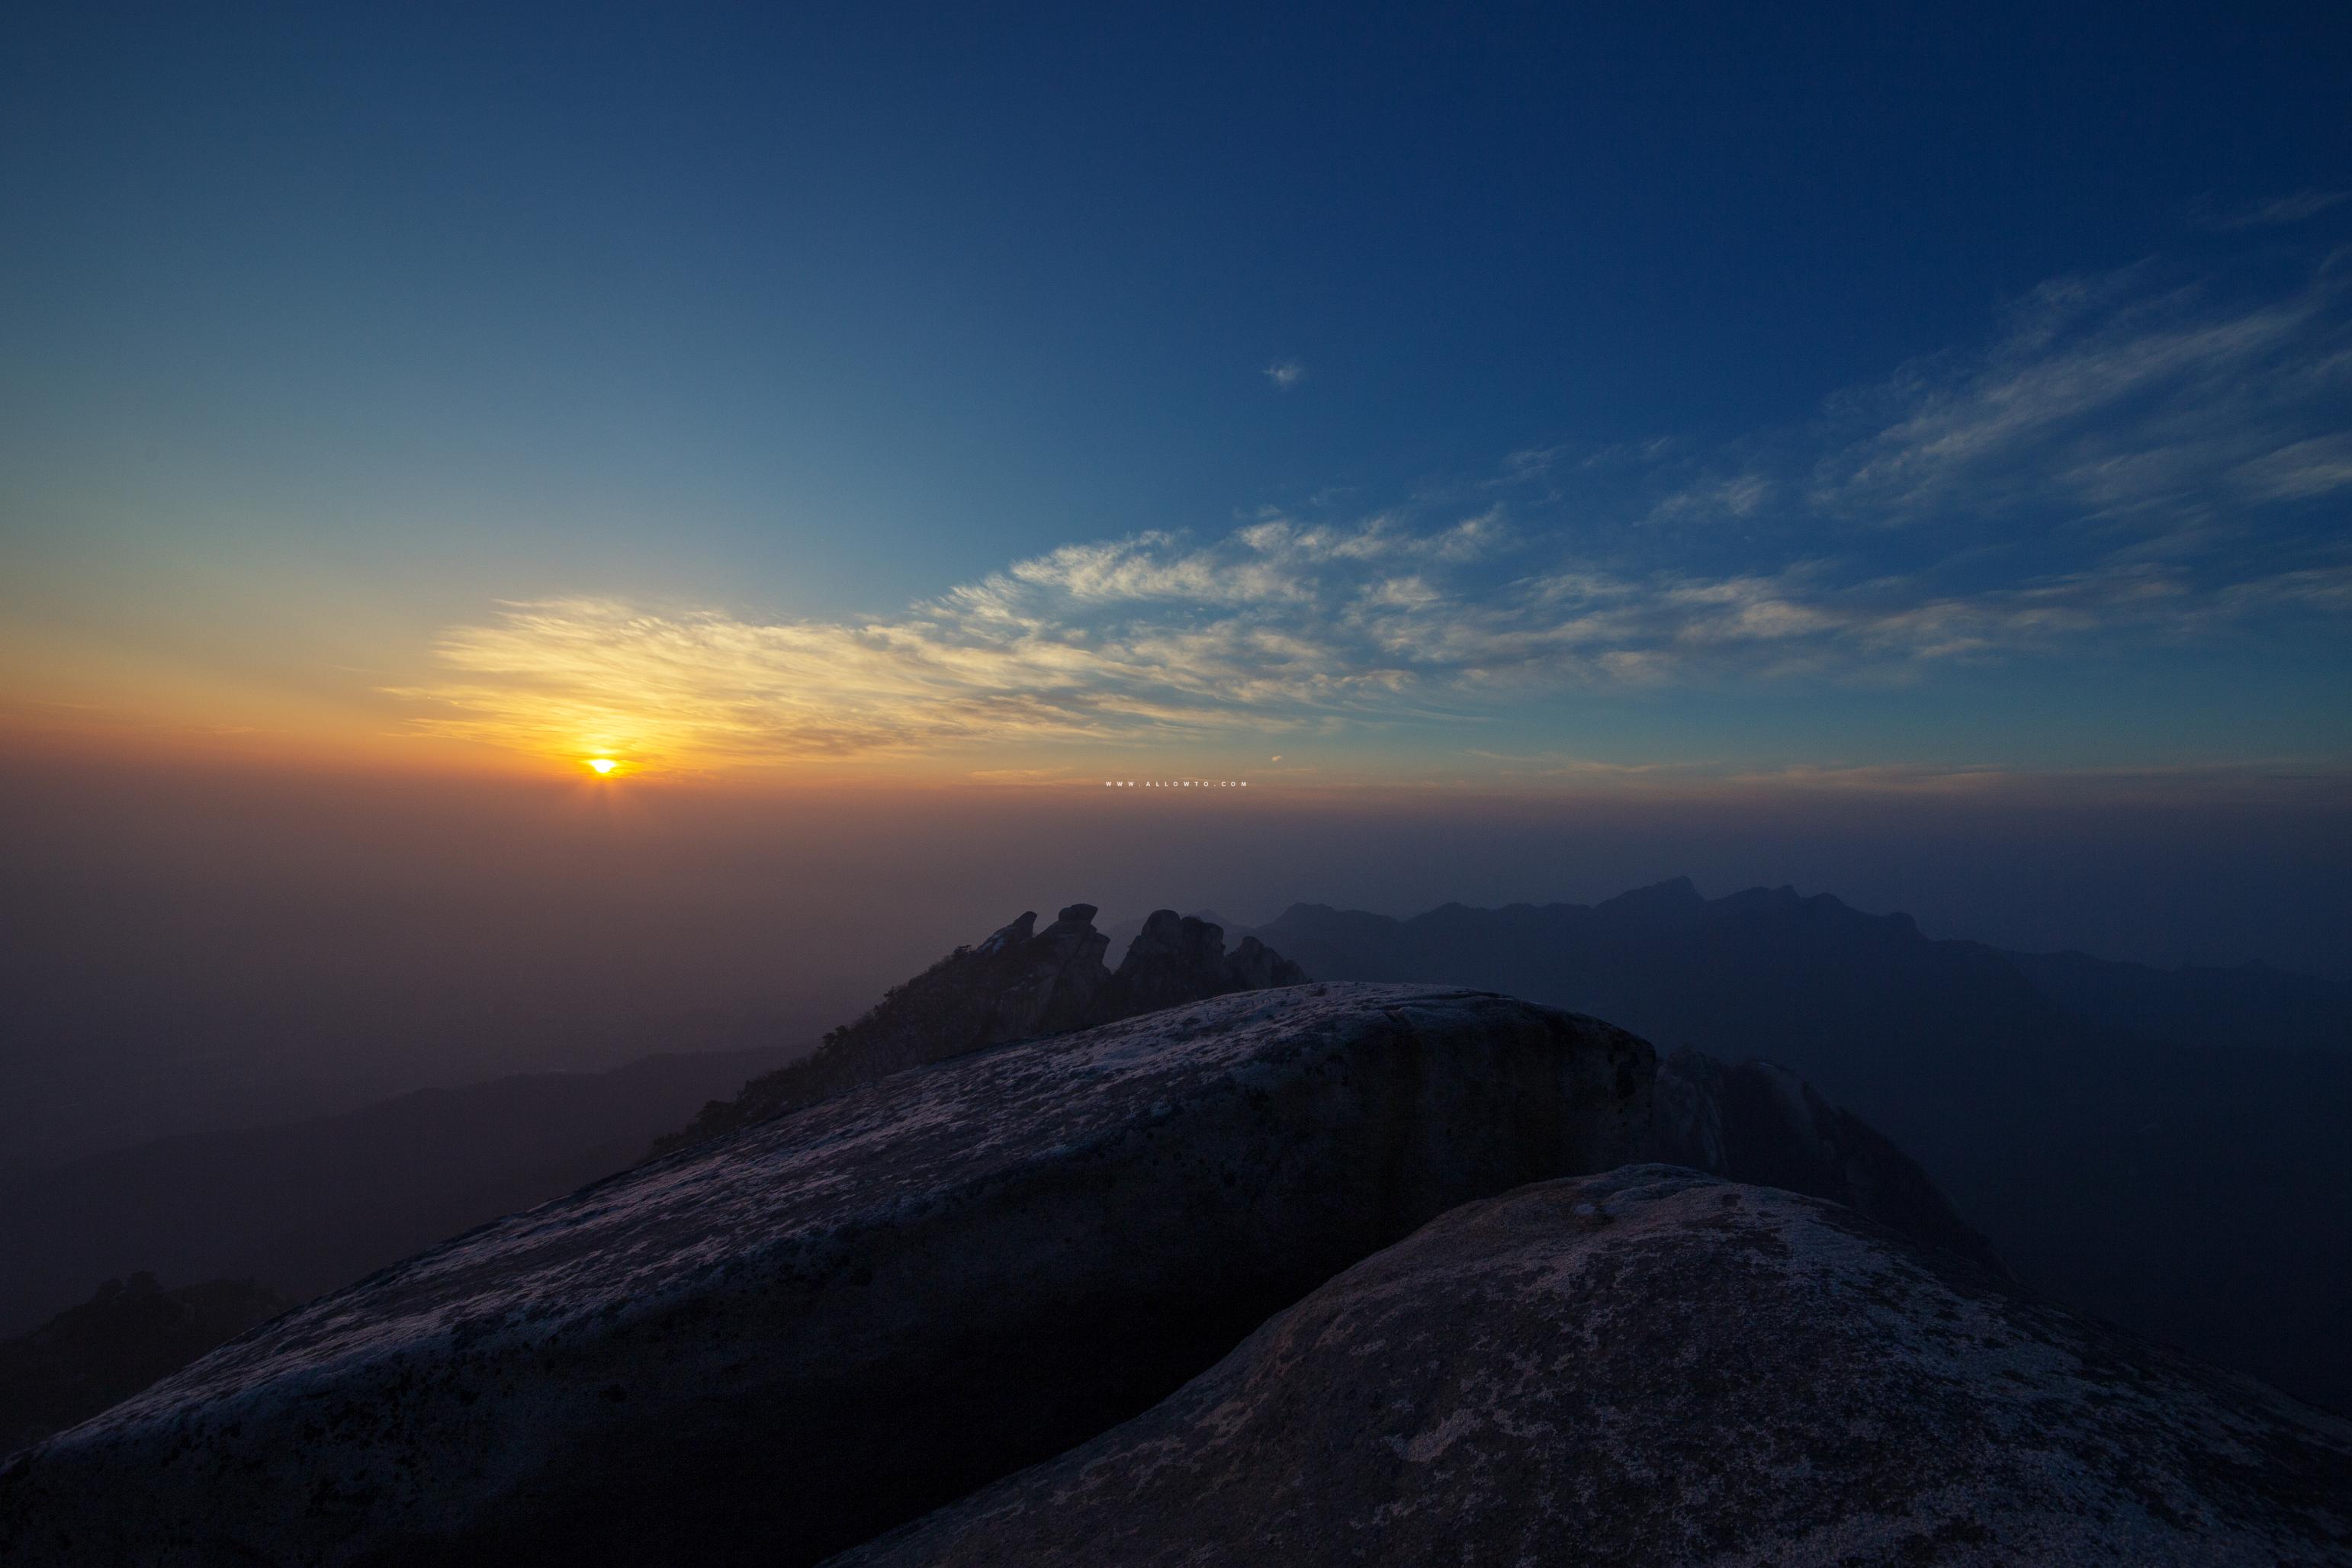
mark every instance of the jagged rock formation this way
{"type": "Point", "coordinates": [128, 1334]}
{"type": "Point", "coordinates": [1122, 935]}
{"type": "Point", "coordinates": [1173, 960]}
{"type": "Point", "coordinates": [1020, 983]}
{"type": "Point", "coordinates": [1757, 1122]}
{"type": "Point", "coordinates": [772, 1346]}
{"type": "Point", "coordinates": [1655, 1367]}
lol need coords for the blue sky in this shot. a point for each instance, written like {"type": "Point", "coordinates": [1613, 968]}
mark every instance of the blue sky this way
{"type": "Point", "coordinates": [1534, 396]}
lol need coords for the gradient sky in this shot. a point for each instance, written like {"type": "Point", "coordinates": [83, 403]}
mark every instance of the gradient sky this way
{"type": "Point", "coordinates": [1541, 450]}
{"type": "Point", "coordinates": [1547, 397]}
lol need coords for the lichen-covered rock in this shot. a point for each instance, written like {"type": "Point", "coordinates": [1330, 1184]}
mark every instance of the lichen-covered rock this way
{"type": "Point", "coordinates": [772, 1346]}
{"type": "Point", "coordinates": [1757, 1121]}
{"type": "Point", "coordinates": [1656, 1366]}
{"type": "Point", "coordinates": [1019, 983]}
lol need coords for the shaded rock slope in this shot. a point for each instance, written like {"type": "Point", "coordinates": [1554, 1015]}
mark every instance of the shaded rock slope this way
{"type": "Point", "coordinates": [774, 1345]}
{"type": "Point", "coordinates": [1756, 1122]}
{"type": "Point", "coordinates": [128, 1334]}
{"type": "Point", "coordinates": [311, 1205]}
{"type": "Point", "coordinates": [1653, 1366]}
{"type": "Point", "coordinates": [2193, 1183]}
{"type": "Point", "coordinates": [1020, 983]}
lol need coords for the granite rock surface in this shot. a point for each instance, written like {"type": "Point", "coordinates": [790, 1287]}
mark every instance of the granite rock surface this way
{"type": "Point", "coordinates": [773, 1345]}
{"type": "Point", "coordinates": [1654, 1366]}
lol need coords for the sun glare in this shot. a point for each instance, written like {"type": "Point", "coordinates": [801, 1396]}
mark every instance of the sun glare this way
{"type": "Point", "coordinates": [603, 765]}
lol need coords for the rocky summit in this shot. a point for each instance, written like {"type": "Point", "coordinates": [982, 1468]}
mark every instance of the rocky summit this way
{"type": "Point", "coordinates": [972, 1308]}
{"type": "Point", "coordinates": [1019, 983]}
{"type": "Point", "coordinates": [1654, 1366]}
{"type": "Point", "coordinates": [777, 1344]}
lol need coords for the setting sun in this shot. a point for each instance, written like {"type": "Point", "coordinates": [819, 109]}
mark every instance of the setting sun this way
{"type": "Point", "coordinates": [603, 765]}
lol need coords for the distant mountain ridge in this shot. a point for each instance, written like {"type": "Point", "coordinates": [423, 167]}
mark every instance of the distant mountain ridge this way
{"type": "Point", "coordinates": [2189, 1005]}
{"type": "Point", "coordinates": [2090, 1152]}
{"type": "Point", "coordinates": [2193, 1005]}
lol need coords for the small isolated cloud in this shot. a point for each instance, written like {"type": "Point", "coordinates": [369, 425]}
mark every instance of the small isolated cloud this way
{"type": "Point", "coordinates": [2293, 207]}
{"type": "Point", "coordinates": [1714, 499]}
{"type": "Point", "coordinates": [1285, 374]}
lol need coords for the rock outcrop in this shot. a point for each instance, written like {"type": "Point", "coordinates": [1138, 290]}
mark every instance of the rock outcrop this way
{"type": "Point", "coordinates": [1757, 1122]}
{"type": "Point", "coordinates": [1652, 1367]}
{"type": "Point", "coordinates": [1020, 983]}
{"type": "Point", "coordinates": [774, 1345]}
{"type": "Point", "coordinates": [1175, 959]}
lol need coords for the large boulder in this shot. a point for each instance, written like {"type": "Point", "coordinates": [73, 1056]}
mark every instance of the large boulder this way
{"type": "Point", "coordinates": [1656, 1366]}
{"type": "Point", "coordinates": [1019, 983]}
{"type": "Point", "coordinates": [1757, 1121]}
{"type": "Point", "coordinates": [774, 1345]}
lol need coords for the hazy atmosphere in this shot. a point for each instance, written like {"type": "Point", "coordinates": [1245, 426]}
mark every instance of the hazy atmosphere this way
{"type": "Point", "coordinates": [872, 439]}
{"type": "Point", "coordinates": [561, 570]}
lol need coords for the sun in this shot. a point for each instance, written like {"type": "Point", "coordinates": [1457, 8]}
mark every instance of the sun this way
{"type": "Point", "coordinates": [602, 765]}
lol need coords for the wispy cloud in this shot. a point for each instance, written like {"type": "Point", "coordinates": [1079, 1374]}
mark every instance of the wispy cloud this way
{"type": "Point", "coordinates": [1285, 374]}
{"type": "Point", "coordinates": [2123, 465]}
{"type": "Point", "coordinates": [2301, 470]}
{"type": "Point", "coordinates": [2270, 212]}
{"type": "Point", "coordinates": [1302, 644]}
{"type": "Point", "coordinates": [1741, 496]}
{"type": "Point", "coordinates": [2104, 402]}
